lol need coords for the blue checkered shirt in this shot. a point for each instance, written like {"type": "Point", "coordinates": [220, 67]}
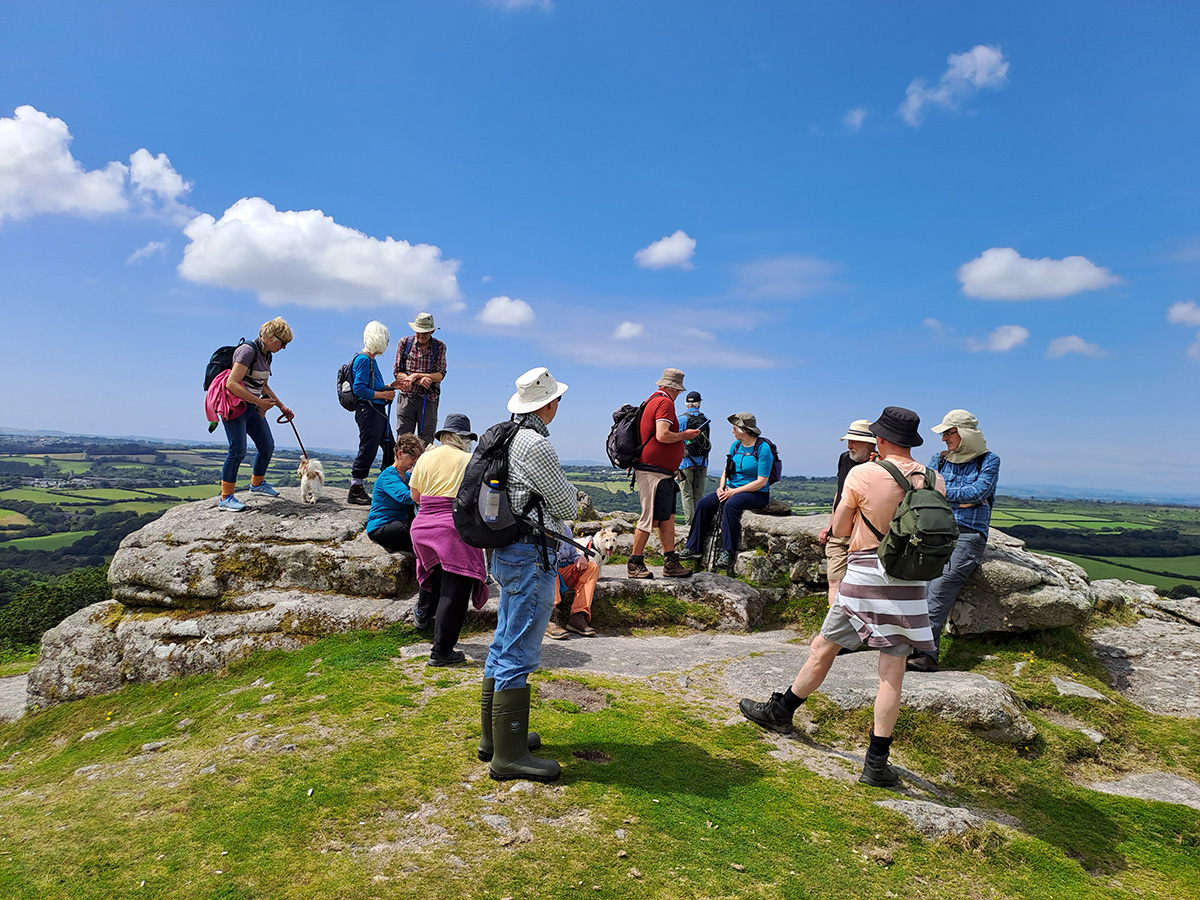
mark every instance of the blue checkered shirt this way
{"type": "Point", "coordinates": [971, 482]}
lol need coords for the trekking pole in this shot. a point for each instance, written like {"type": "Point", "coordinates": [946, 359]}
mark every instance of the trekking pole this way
{"type": "Point", "coordinates": [421, 429]}
{"type": "Point", "coordinates": [288, 419]}
{"type": "Point", "coordinates": [714, 537]}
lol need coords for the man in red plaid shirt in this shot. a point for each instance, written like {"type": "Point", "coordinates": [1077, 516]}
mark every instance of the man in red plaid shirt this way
{"type": "Point", "coordinates": [420, 368]}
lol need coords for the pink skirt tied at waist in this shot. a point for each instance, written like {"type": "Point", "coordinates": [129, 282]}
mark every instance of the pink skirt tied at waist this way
{"type": "Point", "coordinates": [436, 543]}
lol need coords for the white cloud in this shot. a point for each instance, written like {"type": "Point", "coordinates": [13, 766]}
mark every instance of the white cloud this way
{"type": "Point", "coordinates": [308, 259]}
{"type": "Point", "coordinates": [1071, 344]}
{"type": "Point", "coordinates": [506, 311]}
{"type": "Point", "coordinates": [627, 330]}
{"type": "Point", "coordinates": [983, 66]}
{"type": "Point", "coordinates": [698, 334]}
{"type": "Point", "coordinates": [1003, 339]}
{"type": "Point", "coordinates": [853, 120]}
{"type": "Point", "coordinates": [485, 279]}
{"type": "Point", "coordinates": [38, 174]}
{"type": "Point", "coordinates": [785, 277]}
{"type": "Point", "coordinates": [149, 250]}
{"type": "Point", "coordinates": [1184, 313]}
{"type": "Point", "coordinates": [1003, 274]}
{"type": "Point", "coordinates": [156, 183]}
{"type": "Point", "coordinates": [673, 250]}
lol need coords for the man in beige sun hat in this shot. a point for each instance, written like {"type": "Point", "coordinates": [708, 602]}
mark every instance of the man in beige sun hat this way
{"type": "Point", "coordinates": [860, 448]}
{"type": "Point", "coordinates": [419, 370]}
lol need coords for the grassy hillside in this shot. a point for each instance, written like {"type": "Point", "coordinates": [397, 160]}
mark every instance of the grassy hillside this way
{"type": "Point", "coordinates": [342, 771]}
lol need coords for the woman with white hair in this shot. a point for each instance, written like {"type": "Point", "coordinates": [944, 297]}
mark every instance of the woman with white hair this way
{"type": "Point", "coordinates": [247, 380]}
{"type": "Point", "coordinates": [371, 412]}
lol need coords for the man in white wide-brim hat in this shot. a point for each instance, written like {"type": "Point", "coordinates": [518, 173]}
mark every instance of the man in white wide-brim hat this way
{"type": "Point", "coordinates": [860, 448]}
{"type": "Point", "coordinates": [419, 370]}
{"type": "Point", "coordinates": [527, 575]}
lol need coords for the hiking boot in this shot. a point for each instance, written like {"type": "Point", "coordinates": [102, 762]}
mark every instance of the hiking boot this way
{"type": "Point", "coordinates": [770, 714]}
{"type": "Point", "coordinates": [358, 495]}
{"type": "Point", "coordinates": [453, 658]}
{"type": "Point", "coordinates": [877, 773]}
{"type": "Point", "coordinates": [722, 560]}
{"type": "Point", "coordinates": [555, 632]}
{"type": "Point", "coordinates": [636, 568]}
{"type": "Point", "coordinates": [264, 488]}
{"type": "Point", "coordinates": [230, 504]}
{"type": "Point", "coordinates": [919, 662]}
{"type": "Point", "coordinates": [685, 553]}
{"type": "Point", "coordinates": [578, 624]}
{"type": "Point", "coordinates": [673, 568]}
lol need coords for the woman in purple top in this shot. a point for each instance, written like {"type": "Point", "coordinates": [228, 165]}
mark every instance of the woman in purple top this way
{"type": "Point", "coordinates": [247, 381]}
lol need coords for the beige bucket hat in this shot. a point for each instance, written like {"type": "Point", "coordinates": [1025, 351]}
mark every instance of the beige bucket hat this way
{"type": "Point", "coordinates": [423, 323]}
{"type": "Point", "coordinates": [671, 378]}
{"type": "Point", "coordinates": [859, 430]}
{"type": "Point", "coordinates": [535, 389]}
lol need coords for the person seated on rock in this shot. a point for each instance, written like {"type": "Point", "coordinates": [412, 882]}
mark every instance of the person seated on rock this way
{"type": "Point", "coordinates": [971, 472]}
{"type": "Point", "coordinates": [579, 576]}
{"type": "Point", "coordinates": [450, 572]}
{"type": "Point", "coordinates": [887, 614]}
{"type": "Point", "coordinates": [744, 485]}
{"type": "Point", "coordinates": [392, 506]}
{"type": "Point", "coordinates": [860, 448]}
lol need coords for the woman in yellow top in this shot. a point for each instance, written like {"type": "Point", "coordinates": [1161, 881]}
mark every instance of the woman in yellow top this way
{"type": "Point", "coordinates": [449, 571]}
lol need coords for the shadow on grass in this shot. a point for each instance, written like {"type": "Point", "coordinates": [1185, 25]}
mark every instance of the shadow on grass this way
{"type": "Point", "coordinates": [1070, 819]}
{"type": "Point", "coordinates": [662, 767]}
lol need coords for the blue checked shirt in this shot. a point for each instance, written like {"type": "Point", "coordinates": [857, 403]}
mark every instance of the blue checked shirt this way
{"type": "Point", "coordinates": [533, 467]}
{"type": "Point", "coordinates": [971, 482]}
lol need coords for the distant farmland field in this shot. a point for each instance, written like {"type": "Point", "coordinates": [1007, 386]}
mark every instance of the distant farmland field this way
{"type": "Point", "coordinates": [47, 542]}
{"type": "Point", "coordinates": [1111, 568]}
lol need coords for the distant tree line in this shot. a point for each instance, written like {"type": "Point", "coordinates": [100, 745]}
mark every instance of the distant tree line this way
{"type": "Point", "coordinates": [1157, 542]}
{"type": "Point", "coordinates": [30, 605]}
{"type": "Point", "coordinates": [90, 550]}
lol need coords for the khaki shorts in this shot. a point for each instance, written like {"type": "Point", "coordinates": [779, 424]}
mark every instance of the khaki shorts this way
{"type": "Point", "coordinates": [837, 629]}
{"type": "Point", "coordinates": [656, 492]}
{"type": "Point", "coordinates": [837, 550]}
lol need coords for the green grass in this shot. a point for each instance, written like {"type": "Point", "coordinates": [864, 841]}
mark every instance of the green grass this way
{"type": "Point", "coordinates": [359, 780]}
{"type": "Point", "coordinates": [48, 541]}
{"type": "Point", "coordinates": [1112, 569]}
{"type": "Point", "coordinates": [8, 517]}
{"type": "Point", "coordinates": [1182, 565]}
{"type": "Point", "coordinates": [38, 496]}
{"type": "Point", "coordinates": [104, 494]}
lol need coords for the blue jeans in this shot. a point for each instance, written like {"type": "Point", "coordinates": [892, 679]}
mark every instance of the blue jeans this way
{"type": "Point", "coordinates": [731, 518]}
{"type": "Point", "coordinates": [943, 590]}
{"type": "Point", "coordinates": [253, 423]}
{"type": "Point", "coordinates": [526, 602]}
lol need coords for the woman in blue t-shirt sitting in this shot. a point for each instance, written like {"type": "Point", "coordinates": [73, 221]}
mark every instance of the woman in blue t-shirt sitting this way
{"type": "Point", "coordinates": [744, 485]}
{"type": "Point", "coordinates": [392, 506]}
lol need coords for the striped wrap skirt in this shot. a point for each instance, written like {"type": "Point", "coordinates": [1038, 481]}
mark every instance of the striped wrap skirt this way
{"type": "Point", "coordinates": [884, 611]}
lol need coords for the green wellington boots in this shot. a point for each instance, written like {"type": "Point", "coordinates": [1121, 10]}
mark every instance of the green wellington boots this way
{"type": "Point", "coordinates": [510, 731]}
{"type": "Point", "coordinates": [485, 720]}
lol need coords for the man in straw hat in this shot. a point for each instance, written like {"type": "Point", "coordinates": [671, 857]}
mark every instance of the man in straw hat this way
{"type": "Point", "coordinates": [655, 471]}
{"type": "Point", "coordinates": [420, 368]}
{"type": "Point", "coordinates": [860, 448]}
{"type": "Point", "coordinates": [872, 608]}
{"type": "Point", "coordinates": [527, 576]}
{"type": "Point", "coordinates": [971, 472]}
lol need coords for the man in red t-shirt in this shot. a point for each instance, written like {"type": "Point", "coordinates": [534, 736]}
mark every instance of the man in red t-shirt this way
{"type": "Point", "coordinates": [655, 474]}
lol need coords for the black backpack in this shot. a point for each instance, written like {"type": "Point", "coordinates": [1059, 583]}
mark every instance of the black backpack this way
{"type": "Point", "coordinates": [345, 384]}
{"type": "Point", "coordinates": [776, 467]}
{"type": "Point", "coordinates": [700, 445]}
{"type": "Point", "coordinates": [922, 533]}
{"type": "Point", "coordinates": [624, 444]}
{"type": "Point", "coordinates": [488, 464]}
{"type": "Point", "coordinates": [221, 360]}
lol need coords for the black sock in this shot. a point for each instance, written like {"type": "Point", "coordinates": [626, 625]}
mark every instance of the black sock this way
{"type": "Point", "coordinates": [879, 747]}
{"type": "Point", "coordinates": [790, 701]}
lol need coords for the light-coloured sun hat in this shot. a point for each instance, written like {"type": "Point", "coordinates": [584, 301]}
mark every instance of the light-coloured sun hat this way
{"type": "Point", "coordinates": [535, 389]}
{"type": "Point", "coordinates": [859, 430]}
{"type": "Point", "coordinates": [956, 418]}
{"type": "Point", "coordinates": [423, 323]}
{"type": "Point", "coordinates": [746, 422]}
{"type": "Point", "coordinates": [671, 378]}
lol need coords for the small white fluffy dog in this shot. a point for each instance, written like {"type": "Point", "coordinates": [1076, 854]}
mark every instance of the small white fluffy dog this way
{"type": "Point", "coordinates": [601, 545]}
{"type": "Point", "coordinates": [312, 480]}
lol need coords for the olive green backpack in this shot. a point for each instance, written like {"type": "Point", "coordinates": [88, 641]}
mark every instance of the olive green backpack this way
{"type": "Point", "coordinates": [921, 536]}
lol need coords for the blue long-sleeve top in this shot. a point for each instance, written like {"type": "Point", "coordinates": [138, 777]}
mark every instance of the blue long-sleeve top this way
{"type": "Point", "coordinates": [973, 481]}
{"type": "Point", "coordinates": [391, 500]}
{"type": "Point", "coordinates": [367, 379]}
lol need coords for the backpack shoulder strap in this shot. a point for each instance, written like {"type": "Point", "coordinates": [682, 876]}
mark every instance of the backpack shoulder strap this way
{"type": "Point", "coordinates": [895, 473]}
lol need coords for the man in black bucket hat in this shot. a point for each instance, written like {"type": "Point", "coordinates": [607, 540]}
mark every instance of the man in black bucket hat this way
{"type": "Point", "coordinates": [871, 607]}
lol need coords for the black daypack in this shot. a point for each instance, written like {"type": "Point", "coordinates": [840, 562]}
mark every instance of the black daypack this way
{"type": "Point", "coordinates": [345, 384]}
{"type": "Point", "coordinates": [222, 360]}
{"type": "Point", "coordinates": [700, 445]}
{"type": "Point", "coordinates": [624, 444]}
{"type": "Point", "coordinates": [922, 533]}
{"type": "Point", "coordinates": [489, 467]}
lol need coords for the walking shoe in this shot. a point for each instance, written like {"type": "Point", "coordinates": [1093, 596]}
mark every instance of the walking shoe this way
{"type": "Point", "coordinates": [636, 568]}
{"type": "Point", "coordinates": [722, 560]}
{"type": "Point", "coordinates": [673, 568]}
{"type": "Point", "coordinates": [555, 632]}
{"type": "Point", "coordinates": [877, 773]}
{"type": "Point", "coordinates": [420, 622]}
{"type": "Point", "coordinates": [264, 488]}
{"type": "Point", "coordinates": [358, 495]}
{"type": "Point", "coordinates": [770, 714]}
{"type": "Point", "coordinates": [685, 553]}
{"type": "Point", "coordinates": [230, 504]}
{"type": "Point", "coordinates": [453, 658]}
{"type": "Point", "coordinates": [578, 624]}
{"type": "Point", "coordinates": [919, 662]}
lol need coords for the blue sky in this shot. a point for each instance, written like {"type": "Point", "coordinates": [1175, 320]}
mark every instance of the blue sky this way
{"type": "Point", "coordinates": [814, 210]}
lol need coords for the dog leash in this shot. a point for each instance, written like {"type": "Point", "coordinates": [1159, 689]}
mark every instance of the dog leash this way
{"type": "Point", "coordinates": [288, 419]}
